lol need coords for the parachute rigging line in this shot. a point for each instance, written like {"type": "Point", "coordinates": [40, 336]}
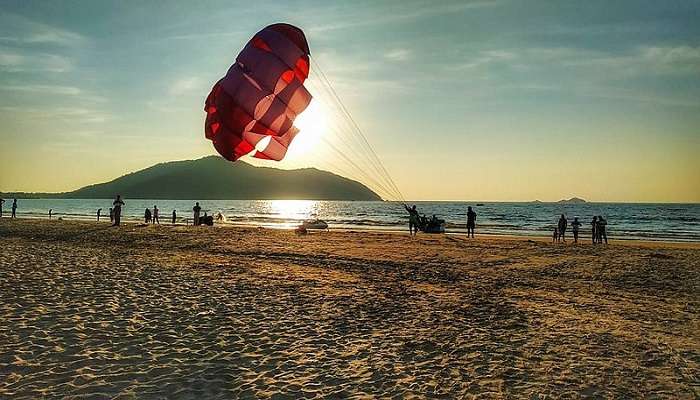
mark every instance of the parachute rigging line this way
{"type": "Point", "coordinates": [384, 180]}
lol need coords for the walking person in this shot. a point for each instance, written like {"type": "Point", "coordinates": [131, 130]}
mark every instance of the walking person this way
{"type": "Point", "coordinates": [561, 226]}
{"type": "Point", "coordinates": [412, 219]}
{"type": "Point", "coordinates": [196, 209]}
{"type": "Point", "coordinates": [600, 229]}
{"type": "Point", "coordinates": [575, 227]}
{"type": "Point", "coordinates": [118, 203]}
{"type": "Point", "coordinates": [14, 208]}
{"type": "Point", "coordinates": [155, 215]}
{"type": "Point", "coordinates": [471, 221]}
{"type": "Point", "coordinates": [99, 211]}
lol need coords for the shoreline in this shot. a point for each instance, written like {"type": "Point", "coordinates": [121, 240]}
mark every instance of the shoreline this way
{"type": "Point", "coordinates": [583, 240]}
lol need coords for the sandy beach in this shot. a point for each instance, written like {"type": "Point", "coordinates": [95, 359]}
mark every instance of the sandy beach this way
{"type": "Point", "coordinates": [195, 312]}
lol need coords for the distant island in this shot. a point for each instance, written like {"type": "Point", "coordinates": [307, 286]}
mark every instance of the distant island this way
{"type": "Point", "coordinates": [573, 200]}
{"type": "Point", "coordinates": [213, 178]}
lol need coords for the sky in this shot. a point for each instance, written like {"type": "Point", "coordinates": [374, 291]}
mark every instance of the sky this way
{"type": "Point", "coordinates": [503, 100]}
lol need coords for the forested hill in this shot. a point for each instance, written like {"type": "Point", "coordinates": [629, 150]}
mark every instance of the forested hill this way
{"type": "Point", "coordinates": [212, 178]}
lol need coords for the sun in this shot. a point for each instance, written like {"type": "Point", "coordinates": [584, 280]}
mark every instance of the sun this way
{"type": "Point", "coordinates": [312, 124]}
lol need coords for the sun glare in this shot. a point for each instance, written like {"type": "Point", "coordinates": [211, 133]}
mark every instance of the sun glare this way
{"type": "Point", "coordinates": [312, 124]}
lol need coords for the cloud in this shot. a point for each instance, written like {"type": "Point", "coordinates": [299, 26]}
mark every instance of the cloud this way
{"type": "Point", "coordinates": [28, 61]}
{"type": "Point", "coordinates": [672, 59]}
{"type": "Point", "coordinates": [66, 114]}
{"type": "Point", "coordinates": [417, 11]}
{"type": "Point", "coordinates": [43, 89]}
{"type": "Point", "coordinates": [16, 29]}
{"type": "Point", "coordinates": [398, 54]}
{"type": "Point", "coordinates": [186, 85]}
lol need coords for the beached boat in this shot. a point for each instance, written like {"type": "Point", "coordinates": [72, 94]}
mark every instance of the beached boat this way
{"type": "Point", "coordinates": [315, 224]}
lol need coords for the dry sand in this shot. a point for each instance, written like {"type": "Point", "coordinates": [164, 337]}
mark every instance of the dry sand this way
{"type": "Point", "coordinates": [184, 312]}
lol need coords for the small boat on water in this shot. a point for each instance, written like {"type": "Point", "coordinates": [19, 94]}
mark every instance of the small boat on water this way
{"type": "Point", "coordinates": [314, 224]}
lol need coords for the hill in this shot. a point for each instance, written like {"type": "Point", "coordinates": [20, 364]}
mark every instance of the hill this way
{"type": "Point", "coordinates": [212, 178]}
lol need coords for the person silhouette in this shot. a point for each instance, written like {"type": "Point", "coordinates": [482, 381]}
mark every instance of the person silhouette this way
{"type": "Point", "coordinates": [50, 212]}
{"type": "Point", "coordinates": [471, 221]}
{"type": "Point", "coordinates": [174, 217]}
{"type": "Point", "coordinates": [600, 228]}
{"type": "Point", "coordinates": [594, 230]}
{"type": "Point", "coordinates": [14, 208]}
{"type": "Point", "coordinates": [575, 227]}
{"type": "Point", "coordinates": [118, 203]}
{"type": "Point", "coordinates": [111, 215]}
{"type": "Point", "coordinates": [412, 219]}
{"type": "Point", "coordinates": [99, 212]}
{"type": "Point", "coordinates": [196, 209]}
{"type": "Point", "coordinates": [147, 215]}
{"type": "Point", "coordinates": [155, 215]}
{"type": "Point", "coordinates": [1, 202]}
{"type": "Point", "coordinates": [561, 226]}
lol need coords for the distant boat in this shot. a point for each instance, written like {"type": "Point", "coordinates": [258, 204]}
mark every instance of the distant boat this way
{"type": "Point", "coordinates": [479, 204]}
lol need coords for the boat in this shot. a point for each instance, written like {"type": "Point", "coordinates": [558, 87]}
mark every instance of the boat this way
{"type": "Point", "coordinates": [434, 229]}
{"type": "Point", "coordinates": [314, 224]}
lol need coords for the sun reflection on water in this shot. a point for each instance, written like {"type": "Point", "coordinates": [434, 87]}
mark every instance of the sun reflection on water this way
{"type": "Point", "coordinates": [292, 211]}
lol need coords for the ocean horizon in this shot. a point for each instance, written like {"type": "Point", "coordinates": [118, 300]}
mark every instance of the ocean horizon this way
{"type": "Point", "coordinates": [633, 221]}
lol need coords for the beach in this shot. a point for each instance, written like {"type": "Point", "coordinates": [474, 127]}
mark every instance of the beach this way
{"type": "Point", "coordinates": [164, 311]}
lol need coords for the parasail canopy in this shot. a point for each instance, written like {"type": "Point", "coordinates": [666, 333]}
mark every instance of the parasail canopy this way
{"type": "Point", "coordinates": [252, 109]}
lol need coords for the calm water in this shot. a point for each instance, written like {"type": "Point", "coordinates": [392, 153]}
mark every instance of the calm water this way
{"type": "Point", "coordinates": [678, 222]}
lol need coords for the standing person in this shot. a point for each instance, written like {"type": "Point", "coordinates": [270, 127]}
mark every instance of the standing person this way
{"type": "Point", "coordinates": [174, 216]}
{"type": "Point", "coordinates": [1, 201]}
{"type": "Point", "coordinates": [99, 211]}
{"type": "Point", "coordinates": [574, 228]}
{"type": "Point", "coordinates": [155, 215]}
{"type": "Point", "coordinates": [594, 230]}
{"type": "Point", "coordinates": [196, 209]}
{"type": "Point", "coordinates": [14, 208]}
{"type": "Point", "coordinates": [561, 226]}
{"type": "Point", "coordinates": [471, 221]}
{"type": "Point", "coordinates": [111, 215]}
{"type": "Point", "coordinates": [412, 219]}
{"type": "Point", "coordinates": [147, 215]}
{"type": "Point", "coordinates": [600, 228]}
{"type": "Point", "coordinates": [50, 212]}
{"type": "Point", "coordinates": [118, 203]}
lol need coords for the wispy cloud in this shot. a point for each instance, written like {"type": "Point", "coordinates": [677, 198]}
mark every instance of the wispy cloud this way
{"type": "Point", "coordinates": [43, 89]}
{"type": "Point", "coordinates": [185, 85]}
{"type": "Point", "coordinates": [16, 29]}
{"type": "Point", "coordinates": [398, 54]}
{"type": "Point", "coordinates": [417, 11]}
{"type": "Point", "coordinates": [28, 61]}
{"type": "Point", "coordinates": [65, 114]}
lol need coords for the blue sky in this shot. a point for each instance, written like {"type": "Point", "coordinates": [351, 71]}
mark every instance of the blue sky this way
{"type": "Point", "coordinates": [466, 100]}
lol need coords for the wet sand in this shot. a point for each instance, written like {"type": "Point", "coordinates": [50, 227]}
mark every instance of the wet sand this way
{"type": "Point", "coordinates": [196, 312]}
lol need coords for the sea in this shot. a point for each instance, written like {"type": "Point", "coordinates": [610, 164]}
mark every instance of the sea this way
{"type": "Point", "coordinates": [663, 222]}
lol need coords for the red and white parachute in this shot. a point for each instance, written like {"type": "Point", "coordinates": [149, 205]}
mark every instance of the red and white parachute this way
{"type": "Point", "coordinates": [252, 109]}
{"type": "Point", "coordinates": [261, 95]}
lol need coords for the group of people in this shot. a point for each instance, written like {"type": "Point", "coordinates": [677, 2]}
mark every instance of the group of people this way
{"type": "Point", "coordinates": [417, 222]}
{"type": "Point", "coordinates": [14, 207]}
{"type": "Point", "coordinates": [153, 217]}
{"type": "Point", "coordinates": [598, 234]}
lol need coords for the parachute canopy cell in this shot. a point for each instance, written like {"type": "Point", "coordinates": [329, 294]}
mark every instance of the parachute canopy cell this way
{"type": "Point", "coordinates": [260, 96]}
